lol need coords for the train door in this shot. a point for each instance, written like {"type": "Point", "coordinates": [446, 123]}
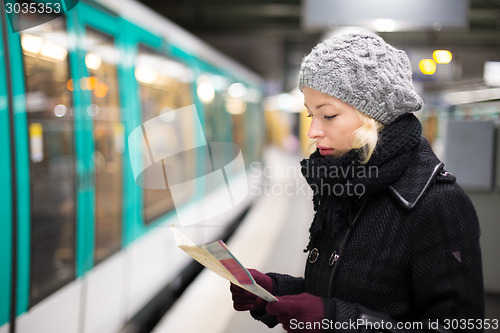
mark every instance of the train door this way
{"type": "Point", "coordinates": [46, 178]}
{"type": "Point", "coordinates": [166, 119]}
{"type": "Point", "coordinates": [103, 264]}
{"type": "Point", "coordinates": [5, 189]}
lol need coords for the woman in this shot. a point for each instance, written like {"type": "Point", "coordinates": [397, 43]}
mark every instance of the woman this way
{"type": "Point", "coordinates": [394, 244]}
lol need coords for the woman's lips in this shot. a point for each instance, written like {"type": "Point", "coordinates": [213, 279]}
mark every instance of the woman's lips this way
{"type": "Point", "coordinates": [325, 151]}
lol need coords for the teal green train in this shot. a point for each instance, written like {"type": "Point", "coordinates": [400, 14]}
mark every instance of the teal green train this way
{"type": "Point", "coordinates": [85, 245]}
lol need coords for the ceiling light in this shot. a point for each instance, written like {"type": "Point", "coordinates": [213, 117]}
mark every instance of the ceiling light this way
{"type": "Point", "coordinates": [442, 56]}
{"type": "Point", "coordinates": [386, 25]}
{"type": "Point", "coordinates": [427, 66]}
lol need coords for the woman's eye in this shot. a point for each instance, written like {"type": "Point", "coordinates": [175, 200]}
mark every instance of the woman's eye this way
{"type": "Point", "coordinates": [309, 116]}
{"type": "Point", "coordinates": [330, 117]}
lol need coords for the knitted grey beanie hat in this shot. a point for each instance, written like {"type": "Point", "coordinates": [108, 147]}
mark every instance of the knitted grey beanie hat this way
{"type": "Point", "coordinates": [364, 71]}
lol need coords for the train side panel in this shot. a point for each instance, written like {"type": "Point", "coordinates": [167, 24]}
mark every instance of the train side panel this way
{"type": "Point", "coordinates": [5, 195]}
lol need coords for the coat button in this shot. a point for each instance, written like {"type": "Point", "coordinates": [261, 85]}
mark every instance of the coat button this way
{"type": "Point", "coordinates": [313, 255]}
{"type": "Point", "coordinates": [333, 258]}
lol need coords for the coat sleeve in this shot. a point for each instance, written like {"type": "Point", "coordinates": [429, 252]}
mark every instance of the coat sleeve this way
{"type": "Point", "coordinates": [283, 284]}
{"type": "Point", "coordinates": [446, 268]}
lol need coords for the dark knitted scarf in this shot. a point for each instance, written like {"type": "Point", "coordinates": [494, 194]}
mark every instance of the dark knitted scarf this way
{"type": "Point", "coordinates": [338, 183]}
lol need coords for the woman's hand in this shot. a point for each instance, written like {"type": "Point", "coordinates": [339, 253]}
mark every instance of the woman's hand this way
{"type": "Point", "coordinates": [244, 300]}
{"type": "Point", "coordinates": [298, 313]}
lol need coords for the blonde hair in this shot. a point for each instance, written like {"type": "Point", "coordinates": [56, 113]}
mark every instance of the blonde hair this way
{"type": "Point", "coordinates": [365, 138]}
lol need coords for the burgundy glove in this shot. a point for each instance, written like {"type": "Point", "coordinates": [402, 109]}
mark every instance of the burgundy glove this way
{"type": "Point", "coordinates": [244, 300]}
{"type": "Point", "coordinates": [298, 313]}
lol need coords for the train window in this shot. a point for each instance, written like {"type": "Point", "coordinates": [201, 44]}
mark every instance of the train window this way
{"type": "Point", "coordinates": [238, 121]}
{"type": "Point", "coordinates": [164, 85]}
{"type": "Point", "coordinates": [225, 110]}
{"type": "Point", "coordinates": [217, 119]}
{"type": "Point", "coordinates": [236, 106]}
{"type": "Point", "coordinates": [52, 157]}
{"type": "Point", "coordinates": [102, 82]}
{"type": "Point", "coordinates": [254, 138]}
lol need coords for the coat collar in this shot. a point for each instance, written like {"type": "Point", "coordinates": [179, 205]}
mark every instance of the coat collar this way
{"type": "Point", "coordinates": [422, 170]}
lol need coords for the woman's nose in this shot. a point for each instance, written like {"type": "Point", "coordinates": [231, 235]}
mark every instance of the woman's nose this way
{"type": "Point", "coordinates": [315, 130]}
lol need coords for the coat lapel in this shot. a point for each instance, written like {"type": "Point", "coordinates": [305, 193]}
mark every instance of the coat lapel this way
{"type": "Point", "coordinates": [424, 166]}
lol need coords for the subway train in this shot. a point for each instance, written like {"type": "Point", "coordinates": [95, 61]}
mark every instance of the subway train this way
{"type": "Point", "coordinates": [84, 245]}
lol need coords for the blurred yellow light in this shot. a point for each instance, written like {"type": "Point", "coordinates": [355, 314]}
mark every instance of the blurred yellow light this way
{"type": "Point", "coordinates": [92, 83]}
{"type": "Point", "coordinates": [237, 90]}
{"type": "Point", "coordinates": [93, 61]}
{"type": "Point", "coordinates": [206, 92]}
{"type": "Point", "coordinates": [69, 85]}
{"type": "Point", "coordinates": [89, 83]}
{"type": "Point", "coordinates": [32, 44]}
{"type": "Point", "coordinates": [54, 52]}
{"type": "Point", "coordinates": [235, 106]}
{"type": "Point", "coordinates": [427, 66]}
{"type": "Point", "coordinates": [101, 90]}
{"type": "Point", "coordinates": [145, 74]}
{"type": "Point", "coordinates": [442, 56]}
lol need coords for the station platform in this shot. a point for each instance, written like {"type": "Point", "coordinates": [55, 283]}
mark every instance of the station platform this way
{"type": "Point", "coordinates": [270, 238]}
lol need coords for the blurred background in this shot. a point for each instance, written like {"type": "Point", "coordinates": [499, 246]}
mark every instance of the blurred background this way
{"type": "Point", "coordinates": [85, 243]}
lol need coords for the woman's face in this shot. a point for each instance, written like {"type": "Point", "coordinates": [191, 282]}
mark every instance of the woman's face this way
{"type": "Point", "coordinates": [333, 122]}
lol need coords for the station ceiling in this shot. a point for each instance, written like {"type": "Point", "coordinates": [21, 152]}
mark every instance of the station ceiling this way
{"type": "Point", "coordinates": [267, 36]}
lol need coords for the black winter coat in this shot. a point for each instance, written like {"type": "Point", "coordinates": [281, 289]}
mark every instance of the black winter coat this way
{"type": "Point", "coordinates": [410, 254]}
